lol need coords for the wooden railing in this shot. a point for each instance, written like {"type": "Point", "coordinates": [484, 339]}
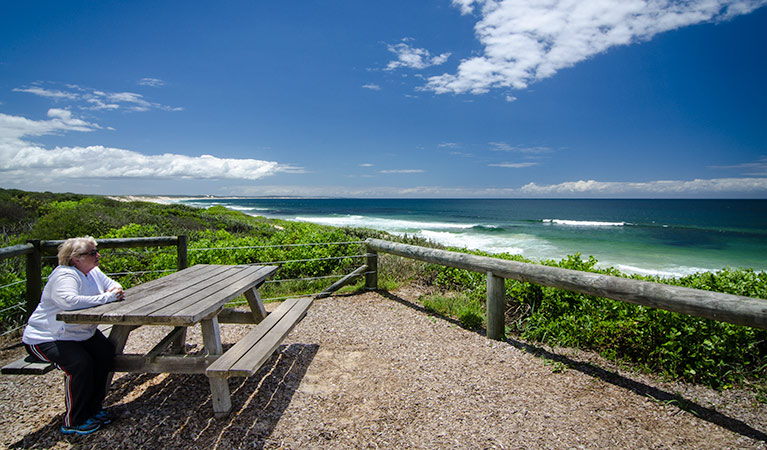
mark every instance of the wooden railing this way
{"type": "Point", "coordinates": [35, 249]}
{"type": "Point", "coordinates": [695, 302]}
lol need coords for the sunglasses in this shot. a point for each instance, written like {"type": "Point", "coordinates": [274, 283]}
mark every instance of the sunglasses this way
{"type": "Point", "coordinates": [90, 253]}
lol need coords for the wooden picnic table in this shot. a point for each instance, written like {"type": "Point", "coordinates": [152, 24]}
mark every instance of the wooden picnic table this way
{"type": "Point", "coordinates": [182, 299]}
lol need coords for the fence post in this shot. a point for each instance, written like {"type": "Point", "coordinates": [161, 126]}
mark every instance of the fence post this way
{"type": "Point", "coordinates": [181, 248]}
{"type": "Point", "coordinates": [496, 307]}
{"type": "Point", "coordinates": [34, 276]}
{"type": "Point", "coordinates": [371, 276]}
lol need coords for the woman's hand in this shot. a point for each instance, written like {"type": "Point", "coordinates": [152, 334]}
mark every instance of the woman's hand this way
{"type": "Point", "coordinates": [119, 293]}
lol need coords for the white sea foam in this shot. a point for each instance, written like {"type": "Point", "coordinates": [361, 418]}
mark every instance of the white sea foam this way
{"type": "Point", "coordinates": [392, 225]}
{"type": "Point", "coordinates": [584, 223]}
{"type": "Point", "coordinates": [473, 241]}
{"type": "Point", "coordinates": [666, 272]}
{"type": "Point", "coordinates": [493, 238]}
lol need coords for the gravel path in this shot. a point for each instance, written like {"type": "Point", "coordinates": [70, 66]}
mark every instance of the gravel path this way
{"type": "Point", "coordinates": [375, 371]}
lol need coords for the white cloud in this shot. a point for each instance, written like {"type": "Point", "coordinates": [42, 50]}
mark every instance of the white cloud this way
{"type": "Point", "coordinates": [414, 58]}
{"type": "Point", "coordinates": [529, 40]}
{"type": "Point", "coordinates": [695, 187]}
{"type": "Point", "coordinates": [92, 99]}
{"type": "Point", "coordinates": [504, 147]}
{"type": "Point", "coordinates": [153, 82]}
{"type": "Point", "coordinates": [402, 171]}
{"type": "Point", "coordinates": [366, 165]}
{"type": "Point", "coordinates": [372, 87]}
{"type": "Point", "coordinates": [13, 128]}
{"type": "Point", "coordinates": [49, 93]}
{"type": "Point", "coordinates": [721, 188]}
{"type": "Point", "coordinates": [22, 161]}
{"type": "Point", "coordinates": [756, 168]}
{"type": "Point", "coordinates": [514, 165]}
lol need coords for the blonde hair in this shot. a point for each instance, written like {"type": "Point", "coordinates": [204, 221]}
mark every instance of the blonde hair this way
{"type": "Point", "coordinates": [74, 247]}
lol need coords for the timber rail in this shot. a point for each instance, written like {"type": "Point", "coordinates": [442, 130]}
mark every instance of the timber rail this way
{"type": "Point", "coordinates": [718, 306]}
{"type": "Point", "coordinates": [695, 302]}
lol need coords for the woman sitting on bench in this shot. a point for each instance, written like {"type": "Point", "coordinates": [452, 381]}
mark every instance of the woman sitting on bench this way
{"type": "Point", "coordinates": [81, 351]}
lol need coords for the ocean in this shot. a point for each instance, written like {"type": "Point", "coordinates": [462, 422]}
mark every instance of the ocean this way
{"type": "Point", "coordinates": [649, 237]}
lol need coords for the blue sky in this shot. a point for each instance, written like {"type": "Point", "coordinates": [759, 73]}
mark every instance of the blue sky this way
{"type": "Point", "coordinates": [559, 98]}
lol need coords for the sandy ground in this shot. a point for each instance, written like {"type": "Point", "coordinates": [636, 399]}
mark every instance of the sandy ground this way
{"type": "Point", "coordinates": [376, 371]}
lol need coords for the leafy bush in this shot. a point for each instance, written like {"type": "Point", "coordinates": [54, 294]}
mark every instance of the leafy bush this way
{"type": "Point", "coordinates": [682, 347]}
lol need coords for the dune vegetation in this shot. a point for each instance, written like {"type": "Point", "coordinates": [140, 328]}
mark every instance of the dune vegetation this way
{"type": "Point", "coordinates": [676, 346]}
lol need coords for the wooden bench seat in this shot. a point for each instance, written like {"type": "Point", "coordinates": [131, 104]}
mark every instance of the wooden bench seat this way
{"type": "Point", "coordinates": [246, 356]}
{"type": "Point", "coordinates": [29, 365]}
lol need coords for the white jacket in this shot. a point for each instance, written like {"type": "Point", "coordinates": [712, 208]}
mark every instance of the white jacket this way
{"type": "Point", "coordinates": [68, 289]}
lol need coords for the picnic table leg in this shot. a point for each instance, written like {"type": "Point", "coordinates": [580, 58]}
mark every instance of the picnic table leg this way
{"type": "Point", "coordinates": [178, 346]}
{"type": "Point", "coordinates": [118, 336]}
{"type": "Point", "coordinates": [219, 387]}
{"type": "Point", "coordinates": [255, 303]}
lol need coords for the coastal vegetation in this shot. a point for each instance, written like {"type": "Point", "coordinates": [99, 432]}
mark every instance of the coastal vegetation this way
{"type": "Point", "coordinates": [677, 346]}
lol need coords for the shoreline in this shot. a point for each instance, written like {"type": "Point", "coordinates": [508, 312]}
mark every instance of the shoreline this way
{"type": "Point", "coordinates": [678, 270]}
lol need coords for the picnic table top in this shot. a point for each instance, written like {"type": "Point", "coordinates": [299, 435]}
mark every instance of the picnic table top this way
{"type": "Point", "coordinates": [182, 298]}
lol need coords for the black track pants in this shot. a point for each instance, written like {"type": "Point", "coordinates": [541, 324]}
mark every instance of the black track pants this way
{"type": "Point", "coordinates": [86, 365]}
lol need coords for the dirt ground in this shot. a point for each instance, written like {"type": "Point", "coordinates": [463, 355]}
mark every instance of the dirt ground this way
{"type": "Point", "coordinates": [376, 371]}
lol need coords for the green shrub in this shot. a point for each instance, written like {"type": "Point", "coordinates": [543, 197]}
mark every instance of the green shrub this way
{"type": "Point", "coordinates": [468, 311]}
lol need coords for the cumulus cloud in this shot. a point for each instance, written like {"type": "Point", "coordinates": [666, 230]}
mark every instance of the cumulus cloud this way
{"type": "Point", "coordinates": [13, 128]}
{"type": "Point", "coordinates": [371, 86]}
{"type": "Point", "coordinates": [21, 160]}
{"type": "Point", "coordinates": [528, 40]}
{"type": "Point", "coordinates": [413, 58]}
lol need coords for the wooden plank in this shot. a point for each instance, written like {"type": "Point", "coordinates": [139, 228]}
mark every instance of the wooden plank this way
{"type": "Point", "coordinates": [16, 250]}
{"type": "Point", "coordinates": [209, 300]}
{"type": "Point", "coordinates": [136, 297]}
{"type": "Point", "coordinates": [157, 307]}
{"type": "Point", "coordinates": [247, 356]}
{"type": "Point", "coordinates": [230, 315]}
{"type": "Point", "coordinates": [252, 361]}
{"type": "Point", "coordinates": [222, 366]}
{"type": "Point", "coordinates": [342, 282]}
{"type": "Point", "coordinates": [27, 366]}
{"type": "Point", "coordinates": [33, 366]}
{"type": "Point", "coordinates": [730, 308]}
{"type": "Point", "coordinates": [162, 364]}
{"type": "Point", "coordinates": [157, 241]}
{"type": "Point", "coordinates": [179, 295]}
{"type": "Point", "coordinates": [166, 288]}
{"type": "Point", "coordinates": [143, 289]}
{"type": "Point", "coordinates": [161, 290]}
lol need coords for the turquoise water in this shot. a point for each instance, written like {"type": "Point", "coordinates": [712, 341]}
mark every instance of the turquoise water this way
{"type": "Point", "coordinates": [662, 237]}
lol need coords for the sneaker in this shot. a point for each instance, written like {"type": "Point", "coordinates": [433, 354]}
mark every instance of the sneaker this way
{"type": "Point", "coordinates": [103, 416]}
{"type": "Point", "coordinates": [88, 427]}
